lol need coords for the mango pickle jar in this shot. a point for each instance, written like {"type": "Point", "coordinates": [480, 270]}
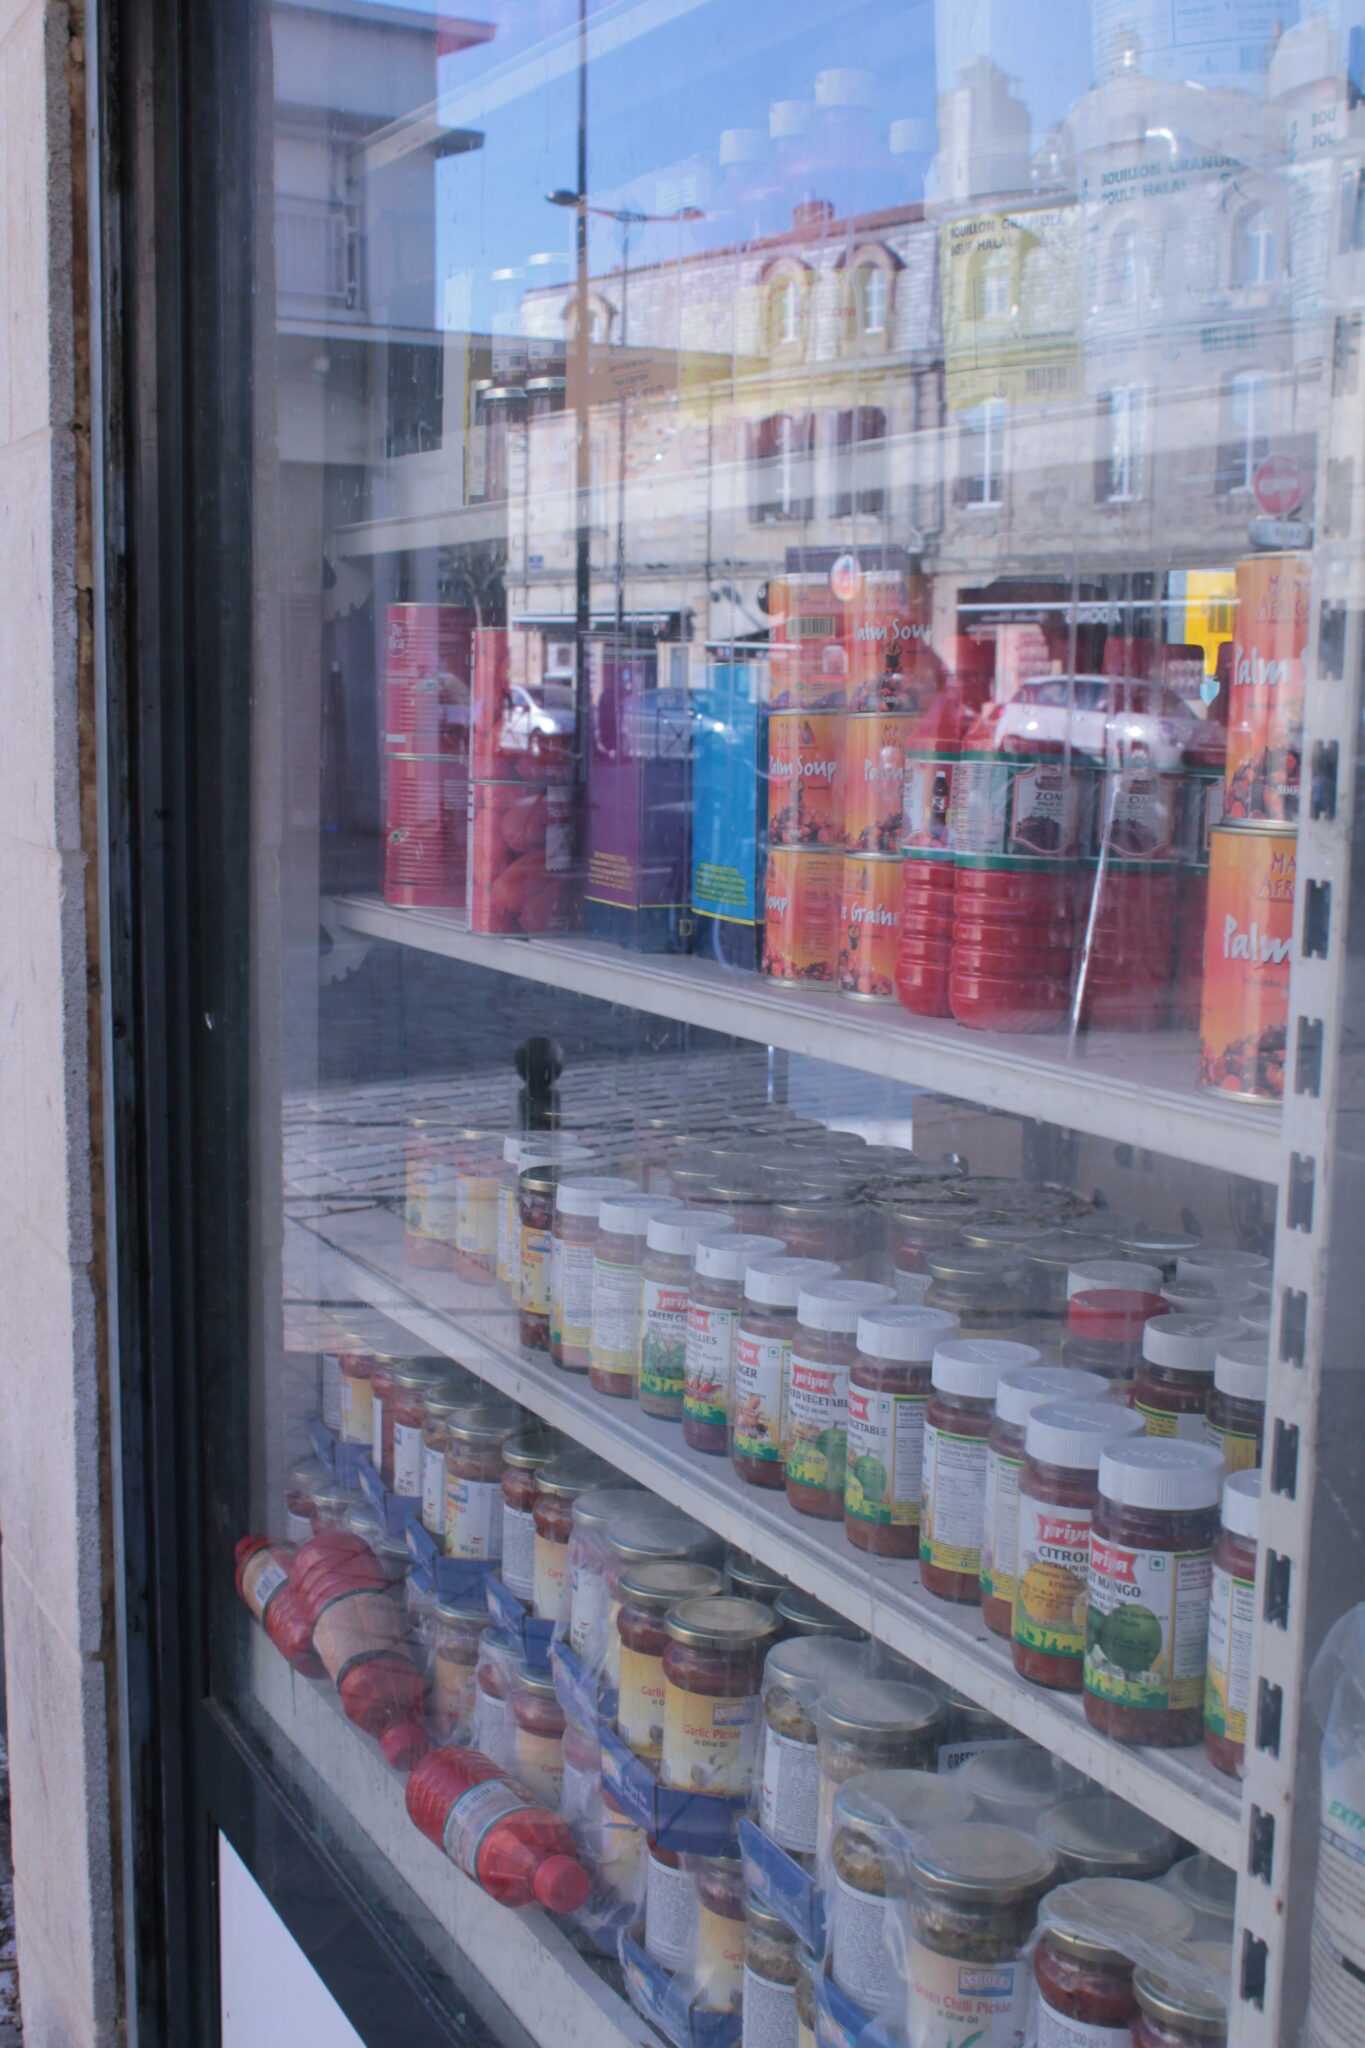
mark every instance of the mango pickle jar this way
{"type": "Point", "coordinates": [647, 1591]}
{"type": "Point", "coordinates": [714, 1298]}
{"type": "Point", "coordinates": [965, 1376]}
{"type": "Point", "coordinates": [573, 1248]}
{"type": "Point", "coordinates": [618, 1290]}
{"type": "Point", "coordinates": [1089, 1932]}
{"type": "Point", "coordinates": [474, 1440]}
{"type": "Point", "coordinates": [713, 1670]}
{"type": "Point", "coordinates": [1019, 1392]}
{"type": "Point", "coordinates": [763, 1340]}
{"type": "Point", "coordinates": [523, 1457]}
{"type": "Point", "coordinates": [888, 1391]}
{"type": "Point", "coordinates": [815, 1405]}
{"type": "Point", "coordinates": [666, 1277]}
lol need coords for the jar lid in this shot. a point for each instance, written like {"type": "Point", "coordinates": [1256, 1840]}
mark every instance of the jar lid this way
{"type": "Point", "coordinates": [879, 1706]}
{"type": "Point", "coordinates": [1255, 1318]}
{"type": "Point", "coordinates": [1019, 1774]}
{"type": "Point", "coordinates": [660, 1583]}
{"type": "Point", "coordinates": [905, 1333]}
{"type": "Point", "coordinates": [978, 1859]}
{"type": "Point", "coordinates": [1112, 1315]}
{"type": "Point", "coordinates": [519, 1149]}
{"type": "Point", "coordinates": [446, 1400]}
{"type": "Point", "coordinates": [1204, 1295]}
{"type": "Point", "coordinates": [599, 1507]}
{"type": "Point", "coordinates": [1099, 1918]}
{"type": "Point", "coordinates": [736, 1191]}
{"type": "Point", "coordinates": [1228, 1264]}
{"type": "Point", "coordinates": [1241, 1368]}
{"type": "Point", "coordinates": [677, 1232]}
{"type": "Point", "coordinates": [1072, 1434]}
{"type": "Point", "coordinates": [754, 1580]}
{"type": "Point", "coordinates": [654, 1528]}
{"type": "Point", "coordinates": [1025, 1388]}
{"type": "Point", "coordinates": [810, 1665]}
{"type": "Point", "coordinates": [1168, 1474]}
{"type": "Point", "coordinates": [1101, 1831]}
{"type": "Point", "coordinates": [960, 1263]}
{"type": "Point", "coordinates": [720, 1622]}
{"type": "Point", "coordinates": [972, 1366]}
{"type": "Point", "coordinates": [336, 1497]}
{"type": "Point", "coordinates": [542, 1176]}
{"type": "Point", "coordinates": [1059, 1250]}
{"type": "Point", "coordinates": [935, 1206]}
{"type": "Point", "coordinates": [776, 1281]}
{"type": "Point", "coordinates": [1241, 1511]}
{"type": "Point", "coordinates": [463, 1613]}
{"type": "Point", "coordinates": [490, 1421]}
{"type": "Point", "coordinates": [363, 1520]}
{"type": "Point", "coordinates": [766, 1923]}
{"type": "Point", "coordinates": [539, 1682]}
{"type": "Point", "coordinates": [1000, 1233]}
{"type": "Point", "coordinates": [529, 1449]}
{"type": "Point", "coordinates": [415, 1373]}
{"type": "Point", "coordinates": [835, 1305]}
{"type": "Point", "coordinates": [628, 1215]}
{"type": "Point", "coordinates": [810, 1617]}
{"type": "Point", "coordinates": [583, 1194]}
{"type": "Point", "coordinates": [826, 1206]}
{"type": "Point", "coordinates": [574, 1471]}
{"type": "Point", "coordinates": [1204, 1883]}
{"type": "Point", "coordinates": [1186, 1343]}
{"type": "Point", "coordinates": [1149, 1240]}
{"type": "Point", "coordinates": [1133, 1274]}
{"type": "Point", "coordinates": [876, 1802]}
{"type": "Point", "coordinates": [723, 1255]}
{"type": "Point", "coordinates": [1013, 1197]}
{"type": "Point", "coordinates": [1187, 1991]}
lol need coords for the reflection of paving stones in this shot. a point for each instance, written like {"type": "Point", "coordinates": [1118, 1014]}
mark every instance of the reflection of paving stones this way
{"type": "Point", "coordinates": [11, 2029]}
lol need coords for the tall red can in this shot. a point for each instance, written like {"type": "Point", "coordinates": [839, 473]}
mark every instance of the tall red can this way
{"type": "Point", "coordinates": [425, 830]}
{"type": "Point", "coordinates": [427, 660]}
{"type": "Point", "coordinates": [525, 870]}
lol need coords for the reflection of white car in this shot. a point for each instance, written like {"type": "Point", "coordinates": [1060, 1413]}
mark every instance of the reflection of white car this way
{"type": "Point", "coordinates": [530, 718]}
{"type": "Point", "coordinates": [1109, 718]}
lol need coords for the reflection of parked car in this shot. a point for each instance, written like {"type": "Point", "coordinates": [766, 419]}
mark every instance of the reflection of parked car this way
{"type": "Point", "coordinates": [1114, 718]}
{"type": "Point", "coordinates": [531, 718]}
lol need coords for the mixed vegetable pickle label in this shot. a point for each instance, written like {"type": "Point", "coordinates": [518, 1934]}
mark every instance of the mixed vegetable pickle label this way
{"type": "Point", "coordinates": [814, 1425]}
{"type": "Point", "coordinates": [885, 1467]}
{"type": "Point", "coordinates": [951, 1500]}
{"type": "Point", "coordinates": [1146, 1637]}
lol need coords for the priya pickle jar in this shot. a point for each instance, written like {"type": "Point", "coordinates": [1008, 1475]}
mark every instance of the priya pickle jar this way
{"type": "Point", "coordinates": [875, 1818]}
{"type": "Point", "coordinates": [1151, 1566]}
{"type": "Point", "coordinates": [1089, 1933]}
{"type": "Point", "coordinates": [1017, 1395]}
{"type": "Point", "coordinates": [965, 1376]}
{"type": "Point", "coordinates": [1175, 1379]}
{"type": "Point", "coordinates": [1063, 1443]}
{"type": "Point", "coordinates": [975, 1888]}
{"type": "Point", "coordinates": [713, 1670]}
{"type": "Point", "coordinates": [1232, 1624]}
{"type": "Point", "coordinates": [573, 1249]}
{"type": "Point", "coordinates": [618, 1289]}
{"type": "Point", "coordinates": [666, 1276]}
{"type": "Point", "coordinates": [1236, 1415]}
{"type": "Point", "coordinates": [715, 1296]}
{"type": "Point", "coordinates": [1104, 1327]}
{"type": "Point", "coordinates": [815, 1417]}
{"type": "Point", "coordinates": [873, 1724]}
{"type": "Point", "coordinates": [647, 1592]}
{"type": "Point", "coordinates": [763, 1341]}
{"type": "Point", "coordinates": [523, 1457]}
{"type": "Point", "coordinates": [795, 1676]}
{"type": "Point", "coordinates": [888, 1391]}
{"type": "Point", "coordinates": [474, 1440]}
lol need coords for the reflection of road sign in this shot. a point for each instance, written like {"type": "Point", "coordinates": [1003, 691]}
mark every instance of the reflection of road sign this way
{"type": "Point", "coordinates": [1278, 484]}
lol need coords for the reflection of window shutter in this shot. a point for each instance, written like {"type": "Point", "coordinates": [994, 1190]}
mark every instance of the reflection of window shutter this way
{"type": "Point", "coordinates": [843, 465]}
{"type": "Point", "coordinates": [1228, 473]}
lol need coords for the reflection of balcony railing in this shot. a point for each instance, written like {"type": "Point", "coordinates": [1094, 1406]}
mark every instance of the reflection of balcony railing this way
{"type": "Point", "coordinates": [317, 251]}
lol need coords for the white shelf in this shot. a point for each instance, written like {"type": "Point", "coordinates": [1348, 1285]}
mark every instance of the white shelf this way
{"type": "Point", "coordinates": [526, 1962]}
{"type": "Point", "coordinates": [1134, 1088]}
{"type": "Point", "coordinates": [471, 1325]}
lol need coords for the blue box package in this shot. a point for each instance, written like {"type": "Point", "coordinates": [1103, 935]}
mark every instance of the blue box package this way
{"type": "Point", "coordinates": [729, 812]}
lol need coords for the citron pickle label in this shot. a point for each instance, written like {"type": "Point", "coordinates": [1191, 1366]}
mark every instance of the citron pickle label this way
{"type": "Point", "coordinates": [1146, 1638]}
{"type": "Point", "coordinates": [1053, 1573]}
{"type": "Point", "coordinates": [1248, 939]}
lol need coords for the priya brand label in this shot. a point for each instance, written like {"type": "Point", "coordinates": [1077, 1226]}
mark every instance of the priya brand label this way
{"type": "Point", "coordinates": [1248, 937]}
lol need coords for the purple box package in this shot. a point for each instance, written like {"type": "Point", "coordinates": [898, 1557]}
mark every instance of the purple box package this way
{"type": "Point", "coordinates": [637, 801]}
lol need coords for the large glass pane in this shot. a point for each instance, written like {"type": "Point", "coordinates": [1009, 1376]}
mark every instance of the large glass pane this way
{"type": "Point", "coordinates": [790, 553]}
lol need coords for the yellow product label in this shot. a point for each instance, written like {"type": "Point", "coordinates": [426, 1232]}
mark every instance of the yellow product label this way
{"type": "Point", "coordinates": [1240, 1453]}
{"type": "Point", "coordinates": [1160, 1422]}
{"type": "Point", "coordinates": [534, 1277]}
{"type": "Point", "coordinates": [452, 1691]}
{"type": "Point", "coordinates": [547, 1585]}
{"type": "Point", "coordinates": [640, 1702]}
{"type": "Point", "coordinates": [720, 1961]}
{"type": "Point", "coordinates": [540, 1765]}
{"type": "Point", "coordinates": [357, 1410]}
{"type": "Point", "coordinates": [709, 1742]}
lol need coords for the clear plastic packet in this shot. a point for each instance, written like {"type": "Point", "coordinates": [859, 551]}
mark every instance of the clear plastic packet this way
{"type": "Point", "coordinates": [1016, 1783]}
{"type": "Point", "coordinates": [494, 1728]}
{"type": "Point", "coordinates": [873, 1724]}
{"type": "Point", "coordinates": [584, 1606]}
{"type": "Point", "coordinates": [1336, 1687]}
{"type": "Point", "coordinates": [796, 1676]}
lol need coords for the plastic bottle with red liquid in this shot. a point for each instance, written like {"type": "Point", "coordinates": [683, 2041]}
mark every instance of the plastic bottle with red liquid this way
{"type": "Point", "coordinates": [927, 868]}
{"type": "Point", "coordinates": [1019, 812]}
{"type": "Point", "coordinates": [491, 1828]}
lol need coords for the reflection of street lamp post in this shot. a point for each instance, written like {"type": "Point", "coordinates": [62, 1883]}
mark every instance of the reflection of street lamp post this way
{"type": "Point", "coordinates": [626, 218]}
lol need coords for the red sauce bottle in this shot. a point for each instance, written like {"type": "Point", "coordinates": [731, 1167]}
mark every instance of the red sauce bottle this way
{"type": "Point", "coordinates": [1151, 1567]}
{"type": "Point", "coordinates": [512, 1847]}
{"type": "Point", "coordinates": [1063, 1441]}
{"type": "Point", "coordinates": [927, 873]}
{"type": "Point", "coordinates": [1232, 1625]}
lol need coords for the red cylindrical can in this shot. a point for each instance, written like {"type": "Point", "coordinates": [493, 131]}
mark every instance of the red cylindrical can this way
{"type": "Point", "coordinates": [425, 830]}
{"type": "Point", "coordinates": [523, 871]}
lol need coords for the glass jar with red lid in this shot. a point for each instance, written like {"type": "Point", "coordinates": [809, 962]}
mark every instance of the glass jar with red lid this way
{"type": "Point", "coordinates": [1151, 1565]}
{"type": "Point", "coordinates": [1183, 2001]}
{"type": "Point", "coordinates": [1174, 1381]}
{"type": "Point", "coordinates": [964, 1376]}
{"type": "Point", "coordinates": [763, 1340]}
{"type": "Point", "coordinates": [714, 1298]}
{"type": "Point", "coordinates": [523, 1456]}
{"type": "Point", "coordinates": [1232, 1624]}
{"type": "Point", "coordinates": [1019, 1392]}
{"type": "Point", "coordinates": [647, 1590]}
{"type": "Point", "coordinates": [815, 1404]}
{"type": "Point", "coordinates": [618, 1290]}
{"type": "Point", "coordinates": [666, 1278]}
{"type": "Point", "coordinates": [713, 1669]}
{"type": "Point", "coordinates": [1063, 1443]}
{"type": "Point", "coordinates": [888, 1391]}
{"type": "Point", "coordinates": [1236, 1417]}
{"type": "Point", "coordinates": [539, 1722]}
{"type": "Point", "coordinates": [1104, 1327]}
{"type": "Point", "coordinates": [559, 1483]}
{"type": "Point", "coordinates": [1089, 1934]}
{"type": "Point", "coordinates": [573, 1249]}
{"type": "Point", "coordinates": [474, 1439]}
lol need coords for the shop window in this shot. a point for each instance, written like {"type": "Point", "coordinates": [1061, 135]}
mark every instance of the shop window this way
{"type": "Point", "coordinates": [873, 299]}
{"type": "Point", "coordinates": [415, 385]}
{"type": "Point", "coordinates": [1123, 420]}
{"type": "Point", "coordinates": [1253, 248]}
{"type": "Point", "coordinates": [781, 465]}
{"type": "Point", "coordinates": [1246, 441]}
{"type": "Point", "coordinates": [981, 454]}
{"type": "Point", "coordinates": [860, 462]}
